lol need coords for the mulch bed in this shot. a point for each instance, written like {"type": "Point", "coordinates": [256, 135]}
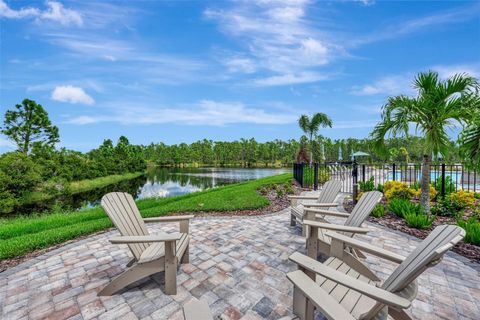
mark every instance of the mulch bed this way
{"type": "Point", "coordinates": [391, 221]}
{"type": "Point", "coordinates": [276, 204]}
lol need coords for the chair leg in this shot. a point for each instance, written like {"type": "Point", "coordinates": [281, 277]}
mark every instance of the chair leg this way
{"type": "Point", "coordinates": [135, 273]}
{"type": "Point", "coordinates": [303, 309]}
{"type": "Point", "coordinates": [293, 220]}
{"type": "Point", "coordinates": [398, 314]}
{"type": "Point", "coordinates": [186, 255]}
{"type": "Point", "coordinates": [170, 268]}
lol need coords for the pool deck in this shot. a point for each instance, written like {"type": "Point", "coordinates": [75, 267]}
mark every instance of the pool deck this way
{"type": "Point", "coordinates": [237, 265]}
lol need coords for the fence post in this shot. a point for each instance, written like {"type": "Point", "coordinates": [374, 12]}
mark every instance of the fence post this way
{"type": "Point", "coordinates": [394, 171]}
{"type": "Point", "coordinates": [363, 172]}
{"type": "Point", "coordinates": [355, 179]}
{"type": "Point", "coordinates": [443, 181]}
{"type": "Point", "coordinates": [301, 167]}
{"type": "Point", "coordinates": [315, 176]}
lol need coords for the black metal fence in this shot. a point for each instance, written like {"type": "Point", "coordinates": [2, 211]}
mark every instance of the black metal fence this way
{"type": "Point", "coordinates": [444, 177]}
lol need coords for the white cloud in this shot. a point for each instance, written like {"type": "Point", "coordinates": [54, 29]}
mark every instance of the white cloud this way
{"type": "Point", "coordinates": [277, 37]}
{"type": "Point", "coordinates": [71, 94]}
{"type": "Point", "coordinates": [240, 64]}
{"type": "Point", "coordinates": [55, 11]}
{"type": "Point", "coordinates": [7, 12]}
{"type": "Point", "coordinates": [389, 85]}
{"type": "Point", "coordinates": [408, 26]}
{"type": "Point", "coordinates": [403, 83]}
{"type": "Point", "coordinates": [354, 124]}
{"type": "Point", "coordinates": [366, 2]}
{"type": "Point", "coordinates": [204, 112]}
{"type": "Point", "coordinates": [286, 79]}
{"type": "Point", "coordinates": [449, 71]}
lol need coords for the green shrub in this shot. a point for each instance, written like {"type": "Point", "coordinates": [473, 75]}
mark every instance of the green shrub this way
{"type": "Point", "coordinates": [419, 221]}
{"type": "Point", "coordinates": [398, 190]}
{"type": "Point", "coordinates": [416, 185]}
{"type": "Point", "coordinates": [368, 185]}
{"type": "Point", "coordinates": [280, 193]}
{"type": "Point", "coordinates": [401, 207]}
{"type": "Point", "coordinates": [453, 205]}
{"type": "Point", "coordinates": [323, 175]}
{"type": "Point", "coordinates": [449, 185]}
{"type": "Point", "coordinates": [380, 187]}
{"type": "Point", "coordinates": [477, 195]}
{"type": "Point", "coordinates": [288, 188]}
{"type": "Point", "coordinates": [378, 211]}
{"type": "Point", "coordinates": [472, 229]}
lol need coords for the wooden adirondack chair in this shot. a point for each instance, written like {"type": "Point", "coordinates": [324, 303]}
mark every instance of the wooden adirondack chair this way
{"type": "Point", "coordinates": [151, 253]}
{"type": "Point", "coordinates": [325, 199]}
{"type": "Point", "coordinates": [339, 291]}
{"type": "Point", "coordinates": [318, 242]}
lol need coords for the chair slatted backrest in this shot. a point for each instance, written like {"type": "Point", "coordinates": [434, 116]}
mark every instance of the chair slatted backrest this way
{"type": "Point", "coordinates": [363, 208]}
{"type": "Point", "coordinates": [329, 191]}
{"type": "Point", "coordinates": [429, 251]}
{"type": "Point", "coordinates": [122, 210]}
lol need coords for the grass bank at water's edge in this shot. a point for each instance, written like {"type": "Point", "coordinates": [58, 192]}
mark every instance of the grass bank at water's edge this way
{"type": "Point", "coordinates": [81, 186]}
{"type": "Point", "coordinates": [21, 235]}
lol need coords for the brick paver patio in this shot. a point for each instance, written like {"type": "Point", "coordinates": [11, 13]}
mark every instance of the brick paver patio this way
{"type": "Point", "coordinates": [238, 265]}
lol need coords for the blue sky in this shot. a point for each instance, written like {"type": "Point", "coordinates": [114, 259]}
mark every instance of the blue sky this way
{"type": "Point", "coordinates": [179, 71]}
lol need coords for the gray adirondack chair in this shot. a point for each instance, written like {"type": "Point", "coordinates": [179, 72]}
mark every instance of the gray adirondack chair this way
{"type": "Point", "coordinates": [339, 291]}
{"type": "Point", "coordinates": [151, 253]}
{"type": "Point", "coordinates": [325, 199]}
{"type": "Point", "coordinates": [318, 242]}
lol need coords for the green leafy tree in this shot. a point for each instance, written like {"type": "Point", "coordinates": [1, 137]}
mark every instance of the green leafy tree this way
{"type": "Point", "coordinates": [18, 175]}
{"type": "Point", "coordinates": [439, 104]}
{"type": "Point", "coordinates": [29, 124]}
{"type": "Point", "coordinates": [311, 126]}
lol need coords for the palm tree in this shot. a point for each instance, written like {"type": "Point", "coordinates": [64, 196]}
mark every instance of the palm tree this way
{"type": "Point", "coordinates": [469, 139]}
{"type": "Point", "coordinates": [439, 104]}
{"type": "Point", "coordinates": [311, 126]}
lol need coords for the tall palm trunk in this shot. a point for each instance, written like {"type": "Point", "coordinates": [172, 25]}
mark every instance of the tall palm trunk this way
{"type": "Point", "coordinates": [425, 195]}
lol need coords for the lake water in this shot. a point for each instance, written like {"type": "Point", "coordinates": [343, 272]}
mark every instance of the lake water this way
{"type": "Point", "coordinates": [161, 182]}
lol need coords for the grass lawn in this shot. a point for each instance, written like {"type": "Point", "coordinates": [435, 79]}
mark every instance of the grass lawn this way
{"type": "Point", "coordinates": [21, 235]}
{"type": "Point", "coordinates": [81, 186]}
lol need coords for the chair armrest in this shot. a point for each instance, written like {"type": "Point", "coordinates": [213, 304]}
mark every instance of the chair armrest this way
{"type": "Point", "coordinates": [328, 213]}
{"type": "Point", "coordinates": [303, 197]}
{"type": "Point", "coordinates": [168, 218]}
{"type": "Point", "coordinates": [335, 227]}
{"type": "Point", "coordinates": [369, 290]}
{"type": "Point", "coordinates": [319, 298]}
{"type": "Point", "coordinates": [146, 239]}
{"type": "Point", "coordinates": [314, 205]}
{"type": "Point", "coordinates": [366, 247]}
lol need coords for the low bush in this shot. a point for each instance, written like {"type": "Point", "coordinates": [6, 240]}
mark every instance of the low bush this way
{"type": "Point", "coordinates": [378, 211]}
{"type": "Point", "coordinates": [323, 175]}
{"type": "Point", "coordinates": [462, 197]}
{"type": "Point", "coordinates": [398, 190]}
{"type": "Point", "coordinates": [449, 185]}
{"type": "Point", "coordinates": [380, 187]}
{"type": "Point", "coordinates": [472, 229]}
{"type": "Point", "coordinates": [454, 204]}
{"type": "Point", "coordinates": [368, 185]}
{"type": "Point", "coordinates": [418, 192]}
{"type": "Point", "coordinates": [402, 207]}
{"type": "Point", "coordinates": [288, 188]}
{"type": "Point", "coordinates": [419, 220]}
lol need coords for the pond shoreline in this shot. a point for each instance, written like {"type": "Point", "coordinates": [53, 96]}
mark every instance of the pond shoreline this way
{"type": "Point", "coordinates": [79, 186]}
